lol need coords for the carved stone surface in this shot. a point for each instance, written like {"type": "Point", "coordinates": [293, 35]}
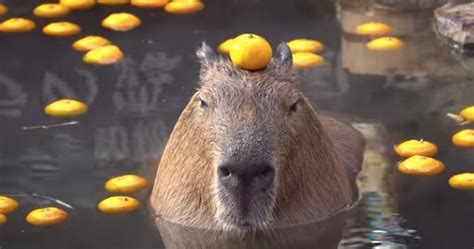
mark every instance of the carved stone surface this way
{"type": "Point", "coordinates": [456, 23]}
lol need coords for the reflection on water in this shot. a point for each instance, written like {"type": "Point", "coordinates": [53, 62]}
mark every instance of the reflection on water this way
{"type": "Point", "coordinates": [133, 106]}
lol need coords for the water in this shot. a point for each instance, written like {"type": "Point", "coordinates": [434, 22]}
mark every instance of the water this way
{"type": "Point", "coordinates": [133, 107]}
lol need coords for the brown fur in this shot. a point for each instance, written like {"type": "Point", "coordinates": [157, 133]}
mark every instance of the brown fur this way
{"type": "Point", "coordinates": [314, 181]}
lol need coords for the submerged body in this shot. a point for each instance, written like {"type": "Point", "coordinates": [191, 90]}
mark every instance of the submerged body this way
{"type": "Point", "coordinates": [249, 153]}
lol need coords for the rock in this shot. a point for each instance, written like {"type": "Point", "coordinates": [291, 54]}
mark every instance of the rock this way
{"type": "Point", "coordinates": [397, 4]}
{"type": "Point", "coordinates": [455, 23]}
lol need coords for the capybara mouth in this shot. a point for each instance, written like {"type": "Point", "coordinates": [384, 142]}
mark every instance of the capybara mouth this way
{"type": "Point", "coordinates": [245, 214]}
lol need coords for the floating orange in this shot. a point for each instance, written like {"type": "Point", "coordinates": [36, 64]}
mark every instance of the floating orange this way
{"type": "Point", "coordinates": [421, 166]}
{"type": "Point", "coordinates": [7, 205]}
{"type": "Point", "coordinates": [464, 138]}
{"type": "Point", "coordinates": [17, 25]}
{"type": "Point", "coordinates": [65, 108]}
{"type": "Point", "coordinates": [126, 184]}
{"type": "Point", "coordinates": [373, 28]}
{"type": "Point", "coordinates": [462, 181]}
{"type": "Point", "coordinates": [90, 42]}
{"type": "Point", "coordinates": [46, 216]}
{"type": "Point", "coordinates": [121, 22]}
{"type": "Point", "coordinates": [307, 60]}
{"type": "Point", "coordinates": [305, 45]}
{"type": "Point", "coordinates": [105, 55]}
{"type": "Point", "coordinates": [78, 4]}
{"type": "Point", "coordinates": [250, 52]}
{"type": "Point", "coordinates": [225, 46]}
{"type": "Point", "coordinates": [385, 44]}
{"type": "Point", "coordinates": [113, 2]}
{"type": "Point", "coordinates": [149, 3]}
{"type": "Point", "coordinates": [51, 10]}
{"type": "Point", "coordinates": [3, 219]}
{"type": "Point", "coordinates": [3, 9]}
{"type": "Point", "coordinates": [416, 147]}
{"type": "Point", "coordinates": [119, 204]}
{"type": "Point", "coordinates": [184, 7]}
{"type": "Point", "coordinates": [468, 113]}
{"type": "Point", "coordinates": [61, 29]}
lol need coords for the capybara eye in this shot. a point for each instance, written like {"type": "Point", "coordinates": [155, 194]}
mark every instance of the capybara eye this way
{"type": "Point", "coordinates": [203, 104]}
{"type": "Point", "coordinates": [294, 107]}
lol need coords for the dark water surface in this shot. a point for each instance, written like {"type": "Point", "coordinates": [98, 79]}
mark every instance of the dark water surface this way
{"type": "Point", "coordinates": [133, 106]}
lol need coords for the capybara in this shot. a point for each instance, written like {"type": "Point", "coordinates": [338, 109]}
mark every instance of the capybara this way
{"type": "Point", "coordinates": [249, 153]}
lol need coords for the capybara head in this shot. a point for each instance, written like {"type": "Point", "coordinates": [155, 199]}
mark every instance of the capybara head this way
{"type": "Point", "coordinates": [247, 145]}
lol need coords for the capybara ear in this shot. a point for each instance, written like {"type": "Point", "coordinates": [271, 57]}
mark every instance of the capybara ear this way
{"type": "Point", "coordinates": [284, 56]}
{"type": "Point", "coordinates": [205, 55]}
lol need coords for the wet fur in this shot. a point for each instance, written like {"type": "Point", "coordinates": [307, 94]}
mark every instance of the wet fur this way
{"type": "Point", "coordinates": [318, 161]}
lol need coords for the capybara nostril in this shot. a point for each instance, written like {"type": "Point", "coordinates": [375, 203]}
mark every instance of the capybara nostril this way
{"type": "Point", "coordinates": [253, 174]}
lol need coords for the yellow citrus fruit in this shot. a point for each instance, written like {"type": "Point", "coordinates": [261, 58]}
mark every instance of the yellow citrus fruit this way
{"type": "Point", "coordinates": [17, 25]}
{"type": "Point", "coordinates": [7, 205]}
{"type": "Point", "coordinates": [51, 10]}
{"type": "Point", "coordinates": [3, 9]}
{"type": "Point", "coordinates": [373, 28]}
{"type": "Point", "coordinates": [305, 45]}
{"type": "Point", "coordinates": [105, 55]}
{"type": "Point", "coordinates": [250, 52]}
{"type": "Point", "coordinates": [385, 44]}
{"type": "Point", "coordinates": [3, 219]}
{"type": "Point", "coordinates": [468, 113]}
{"type": "Point", "coordinates": [184, 7]}
{"type": "Point", "coordinates": [90, 42]}
{"type": "Point", "coordinates": [78, 4]}
{"type": "Point", "coordinates": [416, 147]}
{"type": "Point", "coordinates": [307, 60]}
{"type": "Point", "coordinates": [61, 29]}
{"type": "Point", "coordinates": [46, 216]}
{"type": "Point", "coordinates": [149, 3]}
{"type": "Point", "coordinates": [126, 184]}
{"type": "Point", "coordinates": [118, 204]}
{"type": "Point", "coordinates": [225, 46]}
{"type": "Point", "coordinates": [421, 166]}
{"type": "Point", "coordinates": [113, 2]}
{"type": "Point", "coordinates": [65, 108]}
{"type": "Point", "coordinates": [462, 181]}
{"type": "Point", "coordinates": [464, 138]}
{"type": "Point", "coordinates": [121, 22]}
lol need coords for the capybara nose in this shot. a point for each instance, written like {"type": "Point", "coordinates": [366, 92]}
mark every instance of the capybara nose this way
{"type": "Point", "coordinates": [234, 175]}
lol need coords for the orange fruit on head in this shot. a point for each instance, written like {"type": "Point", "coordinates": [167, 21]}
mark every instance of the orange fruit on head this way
{"type": "Point", "coordinates": [17, 25]}
{"type": "Point", "coordinates": [416, 147]}
{"type": "Point", "coordinates": [7, 205]}
{"type": "Point", "coordinates": [121, 22]}
{"type": "Point", "coordinates": [464, 138]}
{"type": "Point", "coordinates": [51, 10]}
{"type": "Point", "coordinates": [385, 44]}
{"type": "Point", "coordinates": [250, 52]}
{"type": "Point", "coordinates": [184, 7]}
{"type": "Point", "coordinates": [305, 45]}
{"type": "Point", "coordinates": [421, 166]}
{"type": "Point", "coordinates": [119, 204]}
{"type": "Point", "coordinates": [462, 181]}
{"type": "Point", "coordinates": [149, 3]}
{"type": "Point", "coordinates": [105, 55]}
{"type": "Point", "coordinates": [78, 4]}
{"type": "Point", "coordinates": [307, 60]}
{"type": "Point", "coordinates": [46, 216]}
{"type": "Point", "coordinates": [373, 29]}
